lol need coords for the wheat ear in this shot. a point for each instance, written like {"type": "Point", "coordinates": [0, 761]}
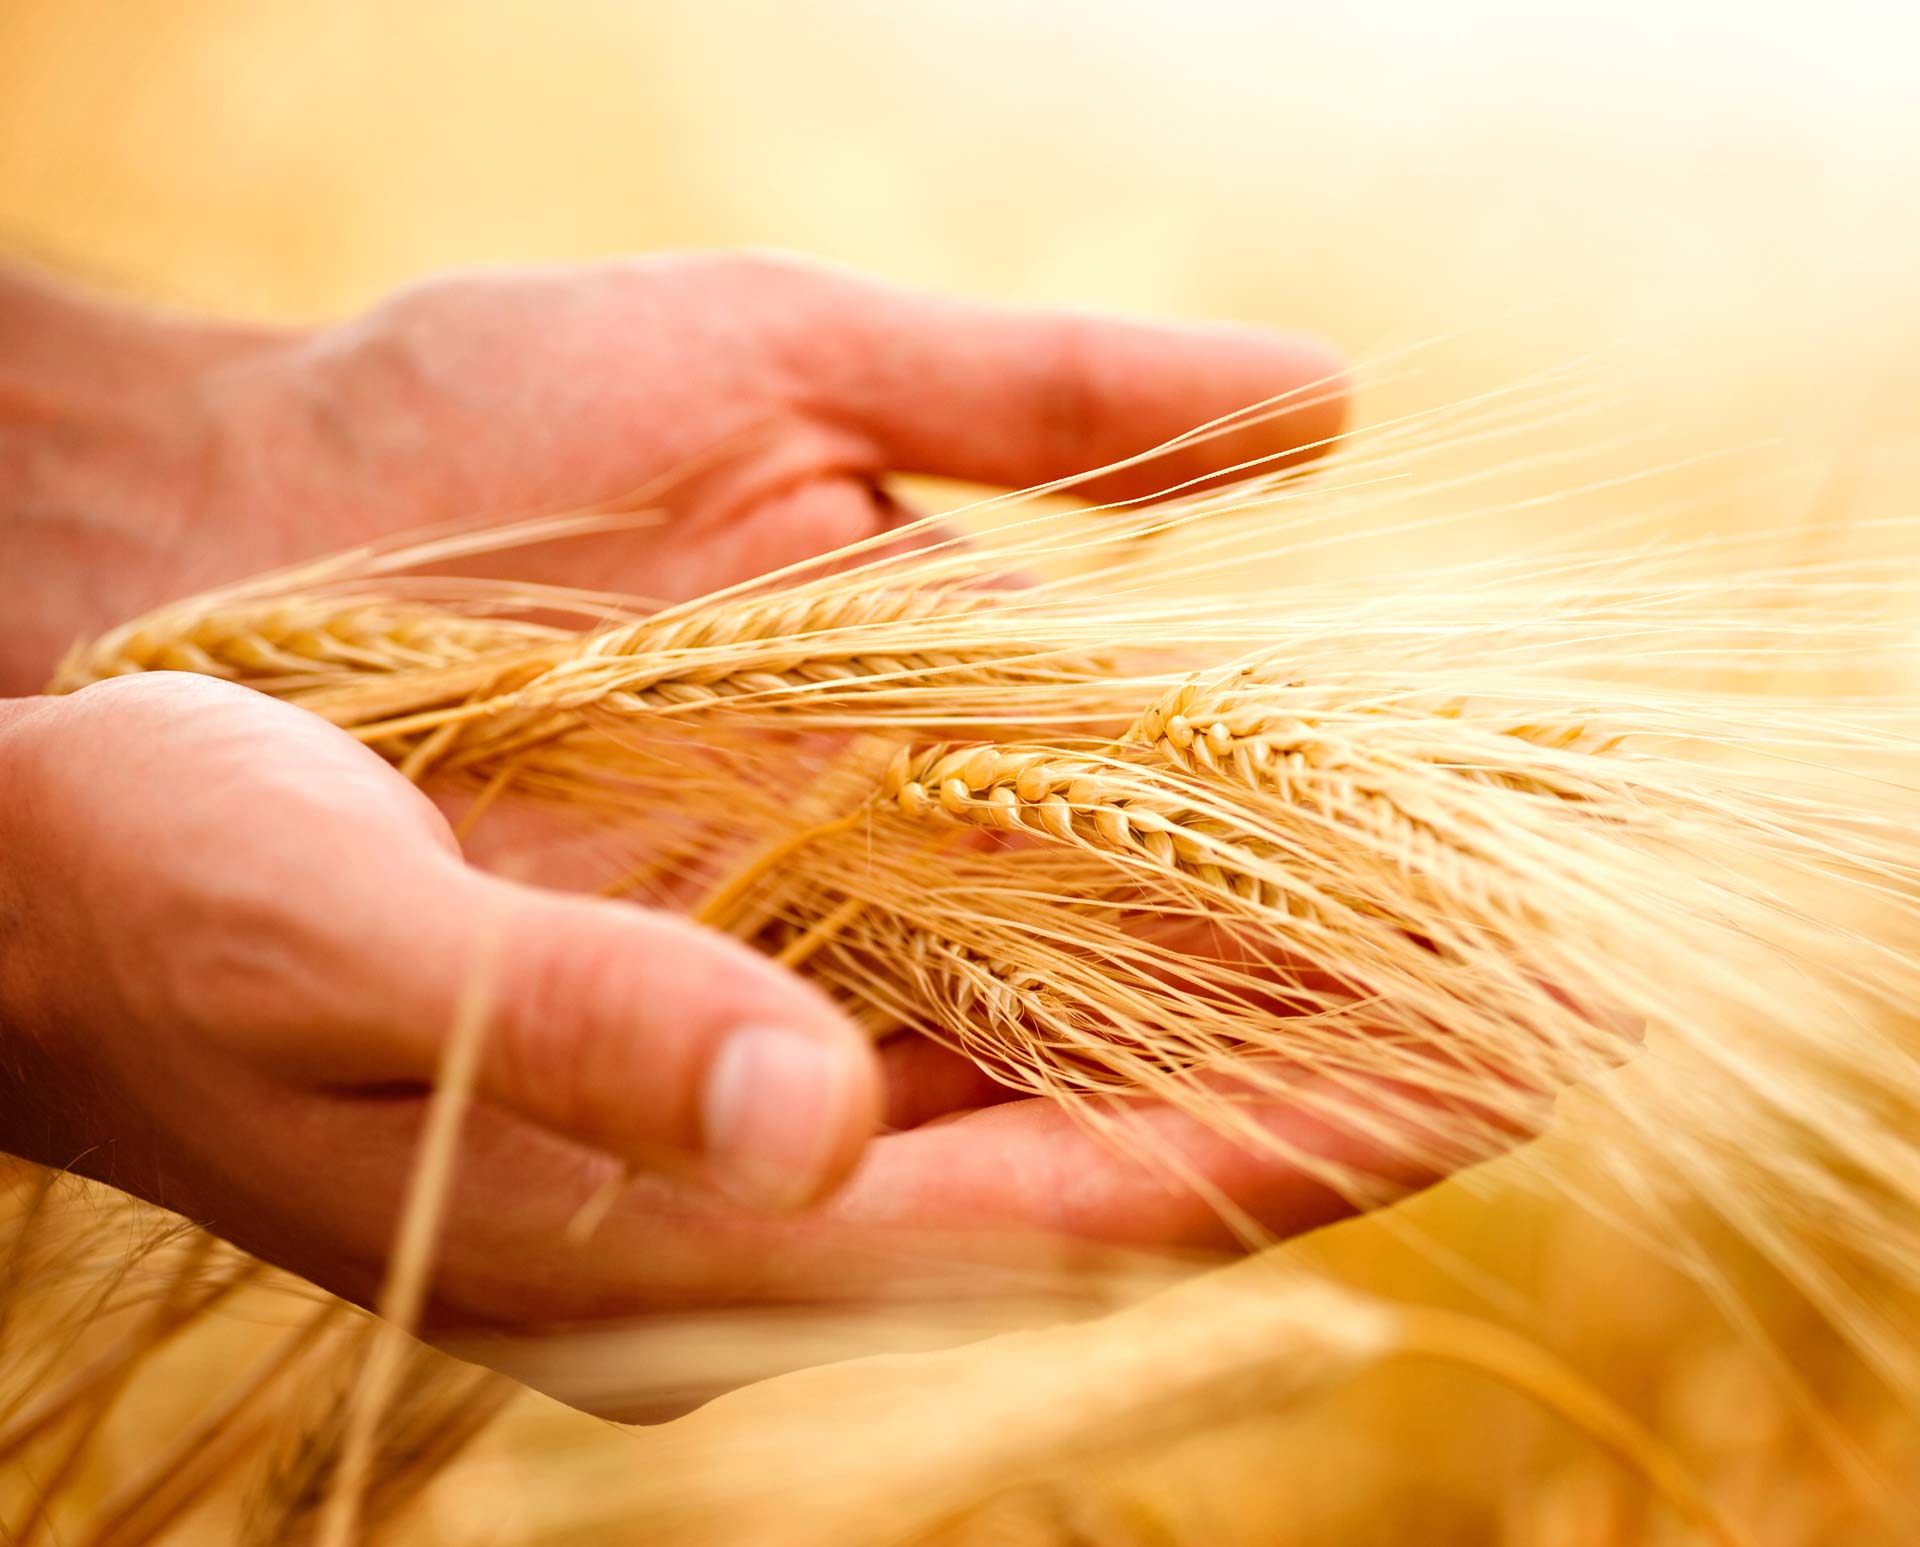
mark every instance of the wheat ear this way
{"type": "Point", "coordinates": [290, 644]}
{"type": "Point", "coordinates": [1094, 803]}
{"type": "Point", "coordinates": [1244, 727]}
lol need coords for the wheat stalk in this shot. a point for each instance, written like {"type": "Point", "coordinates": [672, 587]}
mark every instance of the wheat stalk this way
{"type": "Point", "coordinates": [891, 1447]}
{"type": "Point", "coordinates": [1435, 871]}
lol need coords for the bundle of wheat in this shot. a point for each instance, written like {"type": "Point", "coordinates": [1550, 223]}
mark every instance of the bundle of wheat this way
{"type": "Point", "coordinates": [1414, 862]}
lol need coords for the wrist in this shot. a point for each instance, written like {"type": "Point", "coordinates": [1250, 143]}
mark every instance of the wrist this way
{"type": "Point", "coordinates": [107, 358]}
{"type": "Point", "coordinates": [106, 441]}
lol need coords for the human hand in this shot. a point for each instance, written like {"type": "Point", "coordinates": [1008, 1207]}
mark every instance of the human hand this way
{"type": "Point", "coordinates": [154, 459]}
{"type": "Point", "coordinates": [298, 915]}
{"type": "Point", "coordinates": [232, 942]}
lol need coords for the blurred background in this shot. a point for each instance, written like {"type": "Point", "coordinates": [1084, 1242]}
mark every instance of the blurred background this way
{"type": "Point", "coordinates": [1711, 212]}
{"type": "Point", "coordinates": [1711, 206]}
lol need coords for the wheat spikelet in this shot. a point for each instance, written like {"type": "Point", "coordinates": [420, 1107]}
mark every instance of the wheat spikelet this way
{"type": "Point", "coordinates": [1459, 873]}
{"type": "Point", "coordinates": [288, 644]}
{"type": "Point", "coordinates": [1447, 792]}
{"type": "Point", "coordinates": [393, 672]}
{"type": "Point", "coordinates": [1091, 802]}
{"type": "Point", "coordinates": [1244, 726]}
{"type": "Point", "coordinates": [1447, 873]}
{"type": "Point", "coordinates": [769, 646]}
{"type": "Point", "coordinates": [811, 654]}
{"type": "Point", "coordinates": [1317, 831]}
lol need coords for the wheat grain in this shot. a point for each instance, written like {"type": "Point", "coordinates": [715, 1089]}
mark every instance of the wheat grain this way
{"type": "Point", "coordinates": [1244, 726]}
{"type": "Point", "coordinates": [288, 644]}
{"type": "Point", "coordinates": [809, 653]}
{"type": "Point", "coordinates": [1303, 855]}
{"type": "Point", "coordinates": [1459, 842]}
{"type": "Point", "coordinates": [1091, 802]}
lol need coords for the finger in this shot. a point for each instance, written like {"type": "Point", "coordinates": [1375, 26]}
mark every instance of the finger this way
{"type": "Point", "coordinates": [328, 1174]}
{"type": "Point", "coordinates": [824, 514]}
{"type": "Point", "coordinates": [760, 532]}
{"type": "Point", "coordinates": [926, 1081]}
{"type": "Point", "coordinates": [638, 1033]}
{"type": "Point", "coordinates": [736, 523]}
{"type": "Point", "coordinates": [999, 1200]}
{"type": "Point", "coordinates": [1015, 397]}
{"type": "Point", "coordinates": [1160, 1177]}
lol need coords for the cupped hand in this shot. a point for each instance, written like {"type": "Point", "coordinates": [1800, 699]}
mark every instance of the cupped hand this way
{"type": "Point", "coordinates": [761, 398]}
{"type": "Point", "coordinates": [236, 943]}
{"type": "Point", "coordinates": [232, 940]}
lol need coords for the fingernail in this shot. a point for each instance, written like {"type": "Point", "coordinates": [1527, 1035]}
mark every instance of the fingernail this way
{"type": "Point", "coordinates": [772, 1112]}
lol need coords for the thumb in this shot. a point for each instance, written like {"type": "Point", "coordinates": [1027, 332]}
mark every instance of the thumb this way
{"type": "Point", "coordinates": [642, 1034]}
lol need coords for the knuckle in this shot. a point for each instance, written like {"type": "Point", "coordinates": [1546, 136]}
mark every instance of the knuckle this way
{"type": "Point", "coordinates": [386, 356]}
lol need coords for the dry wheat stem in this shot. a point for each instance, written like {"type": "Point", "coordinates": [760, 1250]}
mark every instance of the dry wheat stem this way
{"type": "Point", "coordinates": [437, 1409]}
{"type": "Point", "coordinates": [234, 1424]}
{"type": "Point", "coordinates": [178, 1308]}
{"type": "Point", "coordinates": [403, 1294]}
{"type": "Point", "coordinates": [1526, 1368]}
{"type": "Point", "coordinates": [1315, 857]}
{"type": "Point", "coordinates": [1245, 727]}
{"type": "Point", "coordinates": [1220, 1347]}
{"type": "Point", "coordinates": [168, 1320]}
{"type": "Point", "coordinates": [1422, 791]}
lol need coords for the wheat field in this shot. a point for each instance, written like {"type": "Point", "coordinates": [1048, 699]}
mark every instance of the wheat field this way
{"type": "Point", "coordinates": [1660, 268]}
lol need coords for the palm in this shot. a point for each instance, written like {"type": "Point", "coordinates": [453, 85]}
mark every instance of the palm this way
{"type": "Point", "coordinates": [758, 407]}
{"type": "Point", "coordinates": [755, 405]}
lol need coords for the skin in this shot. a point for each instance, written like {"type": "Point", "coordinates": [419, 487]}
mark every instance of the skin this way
{"type": "Point", "coordinates": [233, 941]}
